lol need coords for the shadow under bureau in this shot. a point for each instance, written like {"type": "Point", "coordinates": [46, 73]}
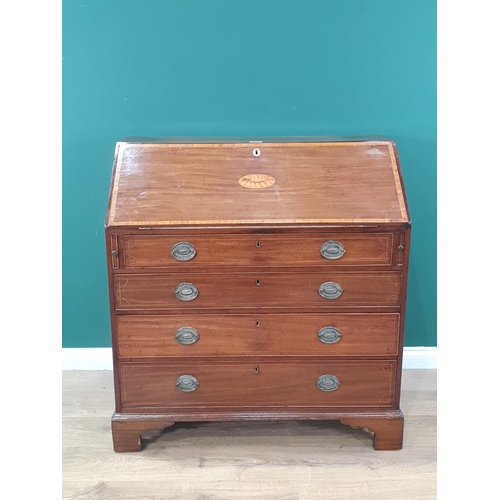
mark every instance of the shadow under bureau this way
{"type": "Point", "coordinates": [255, 280]}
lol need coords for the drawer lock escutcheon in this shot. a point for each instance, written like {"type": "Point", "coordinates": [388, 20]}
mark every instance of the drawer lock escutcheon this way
{"type": "Point", "coordinates": [183, 251]}
{"type": "Point", "coordinates": [332, 250]}
{"type": "Point", "coordinates": [330, 290]}
{"type": "Point", "coordinates": [328, 383]}
{"type": "Point", "coordinates": [329, 335]}
{"type": "Point", "coordinates": [187, 383]}
{"type": "Point", "coordinates": [186, 291]}
{"type": "Point", "coordinates": [187, 335]}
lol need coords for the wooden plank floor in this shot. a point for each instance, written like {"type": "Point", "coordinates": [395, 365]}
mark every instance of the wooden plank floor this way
{"type": "Point", "coordinates": [251, 460]}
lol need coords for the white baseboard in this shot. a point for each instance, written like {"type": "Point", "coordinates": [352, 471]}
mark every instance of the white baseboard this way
{"type": "Point", "coordinates": [414, 358]}
{"type": "Point", "coordinates": [95, 358]}
{"type": "Point", "coordinates": [419, 358]}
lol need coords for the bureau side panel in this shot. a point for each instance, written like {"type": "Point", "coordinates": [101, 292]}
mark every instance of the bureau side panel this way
{"type": "Point", "coordinates": [405, 238]}
{"type": "Point", "coordinates": [112, 264]}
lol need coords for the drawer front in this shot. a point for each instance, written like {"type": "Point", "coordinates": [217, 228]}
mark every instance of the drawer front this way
{"type": "Point", "coordinates": [191, 252]}
{"type": "Point", "coordinates": [247, 383]}
{"type": "Point", "coordinates": [263, 290]}
{"type": "Point", "coordinates": [264, 334]}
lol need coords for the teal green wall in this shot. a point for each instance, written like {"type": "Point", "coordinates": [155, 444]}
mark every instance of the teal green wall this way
{"type": "Point", "coordinates": [234, 68]}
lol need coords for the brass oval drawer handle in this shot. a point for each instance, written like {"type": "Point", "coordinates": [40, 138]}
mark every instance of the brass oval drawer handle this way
{"type": "Point", "coordinates": [186, 335]}
{"type": "Point", "coordinates": [332, 250]}
{"type": "Point", "coordinates": [187, 383]}
{"type": "Point", "coordinates": [330, 290]}
{"type": "Point", "coordinates": [328, 383]}
{"type": "Point", "coordinates": [186, 291]}
{"type": "Point", "coordinates": [329, 335]}
{"type": "Point", "coordinates": [183, 251]}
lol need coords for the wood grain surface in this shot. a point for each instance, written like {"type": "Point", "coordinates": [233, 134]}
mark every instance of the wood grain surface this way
{"type": "Point", "coordinates": [180, 184]}
{"type": "Point", "coordinates": [252, 290]}
{"type": "Point", "coordinates": [262, 334]}
{"type": "Point", "coordinates": [274, 460]}
{"type": "Point", "coordinates": [264, 250]}
{"type": "Point", "coordinates": [247, 383]}
{"type": "Point", "coordinates": [230, 203]}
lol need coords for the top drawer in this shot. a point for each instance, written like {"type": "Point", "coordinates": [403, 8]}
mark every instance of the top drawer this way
{"type": "Point", "coordinates": [192, 251]}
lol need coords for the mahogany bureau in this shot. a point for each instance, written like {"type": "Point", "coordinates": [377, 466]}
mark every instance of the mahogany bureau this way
{"type": "Point", "coordinates": [254, 280]}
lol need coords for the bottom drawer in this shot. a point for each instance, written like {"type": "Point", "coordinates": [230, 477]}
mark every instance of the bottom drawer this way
{"type": "Point", "coordinates": [218, 384]}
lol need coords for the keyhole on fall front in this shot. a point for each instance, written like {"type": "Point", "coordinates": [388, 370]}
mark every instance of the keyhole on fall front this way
{"type": "Point", "coordinates": [257, 244]}
{"type": "Point", "coordinates": [257, 282]}
{"type": "Point", "coordinates": [257, 324]}
{"type": "Point", "coordinates": [256, 369]}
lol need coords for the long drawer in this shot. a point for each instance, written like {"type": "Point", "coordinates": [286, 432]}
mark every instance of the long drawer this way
{"type": "Point", "coordinates": [265, 290]}
{"type": "Point", "coordinates": [264, 334]}
{"type": "Point", "coordinates": [195, 251]}
{"type": "Point", "coordinates": [249, 383]}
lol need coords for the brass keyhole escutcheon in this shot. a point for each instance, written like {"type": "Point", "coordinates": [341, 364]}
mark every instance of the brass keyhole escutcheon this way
{"type": "Point", "coordinates": [257, 324]}
{"type": "Point", "coordinates": [257, 282]}
{"type": "Point", "coordinates": [256, 152]}
{"type": "Point", "coordinates": [257, 244]}
{"type": "Point", "coordinates": [256, 369]}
